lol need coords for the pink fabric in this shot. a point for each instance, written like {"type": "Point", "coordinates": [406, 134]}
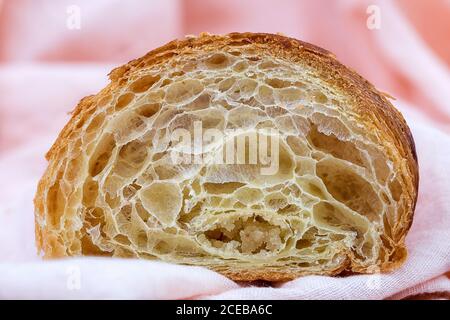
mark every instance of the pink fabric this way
{"type": "Point", "coordinates": [45, 68]}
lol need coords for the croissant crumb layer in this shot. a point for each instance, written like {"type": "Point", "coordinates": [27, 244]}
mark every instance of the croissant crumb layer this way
{"type": "Point", "coordinates": [339, 199]}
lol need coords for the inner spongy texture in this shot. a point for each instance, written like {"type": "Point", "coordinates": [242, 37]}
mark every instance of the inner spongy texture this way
{"type": "Point", "coordinates": [247, 235]}
{"type": "Point", "coordinates": [333, 188]}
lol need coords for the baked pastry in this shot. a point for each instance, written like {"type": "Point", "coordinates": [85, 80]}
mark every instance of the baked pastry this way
{"type": "Point", "coordinates": [341, 198]}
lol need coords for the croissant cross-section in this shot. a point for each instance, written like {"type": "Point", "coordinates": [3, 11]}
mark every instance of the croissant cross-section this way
{"type": "Point", "coordinates": [255, 155]}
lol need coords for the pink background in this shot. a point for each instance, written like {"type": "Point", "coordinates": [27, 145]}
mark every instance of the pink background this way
{"type": "Point", "coordinates": [46, 68]}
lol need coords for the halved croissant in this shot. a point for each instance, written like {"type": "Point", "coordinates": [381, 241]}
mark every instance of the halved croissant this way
{"type": "Point", "coordinates": [342, 197]}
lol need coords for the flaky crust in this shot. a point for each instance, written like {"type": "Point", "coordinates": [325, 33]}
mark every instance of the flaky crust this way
{"type": "Point", "coordinates": [372, 106]}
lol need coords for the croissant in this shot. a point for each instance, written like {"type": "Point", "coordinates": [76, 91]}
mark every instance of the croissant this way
{"type": "Point", "coordinates": [255, 155]}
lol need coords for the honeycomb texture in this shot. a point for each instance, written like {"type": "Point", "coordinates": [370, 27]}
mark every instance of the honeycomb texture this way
{"type": "Point", "coordinates": [337, 202]}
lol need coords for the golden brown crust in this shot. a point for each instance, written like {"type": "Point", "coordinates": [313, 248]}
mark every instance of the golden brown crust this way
{"type": "Point", "coordinates": [370, 104]}
{"type": "Point", "coordinates": [274, 275]}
